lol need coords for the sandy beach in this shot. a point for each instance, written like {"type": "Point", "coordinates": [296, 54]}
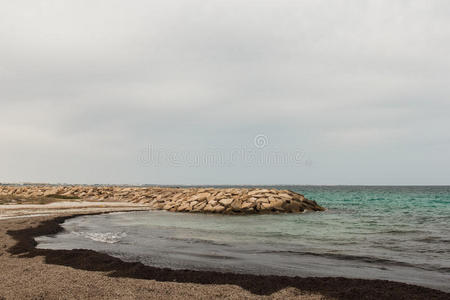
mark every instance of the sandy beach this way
{"type": "Point", "coordinates": [28, 272]}
{"type": "Point", "coordinates": [225, 149]}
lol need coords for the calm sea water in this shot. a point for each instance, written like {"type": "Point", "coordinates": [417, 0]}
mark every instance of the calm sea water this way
{"type": "Point", "coordinates": [394, 233]}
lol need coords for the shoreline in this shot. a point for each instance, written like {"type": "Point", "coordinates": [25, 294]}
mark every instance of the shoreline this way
{"type": "Point", "coordinates": [90, 261]}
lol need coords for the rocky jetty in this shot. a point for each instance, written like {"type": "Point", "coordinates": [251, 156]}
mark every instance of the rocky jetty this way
{"type": "Point", "coordinates": [208, 200]}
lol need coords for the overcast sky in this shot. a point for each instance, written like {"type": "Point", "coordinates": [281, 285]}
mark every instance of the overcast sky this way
{"type": "Point", "coordinates": [173, 92]}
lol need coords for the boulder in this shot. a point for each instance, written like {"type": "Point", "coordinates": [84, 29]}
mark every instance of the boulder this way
{"type": "Point", "coordinates": [236, 205]}
{"type": "Point", "coordinates": [199, 207]}
{"type": "Point", "coordinates": [183, 207]}
{"type": "Point", "coordinates": [219, 208]}
{"type": "Point", "coordinates": [285, 196]}
{"type": "Point", "coordinates": [226, 202]}
{"type": "Point", "coordinates": [50, 192]}
{"type": "Point", "coordinates": [247, 205]}
{"type": "Point", "coordinates": [203, 196]}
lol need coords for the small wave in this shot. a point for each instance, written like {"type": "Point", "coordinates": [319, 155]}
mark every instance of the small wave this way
{"type": "Point", "coordinates": [398, 231]}
{"type": "Point", "coordinates": [366, 259]}
{"type": "Point", "coordinates": [103, 237]}
{"type": "Point", "coordinates": [194, 241]}
{"type": "Point", "coordinates": [430, 239]}
{"type": "Point", "coordinates": [444, 270]}
{"type": "Point", "coordinates": [203, 255]}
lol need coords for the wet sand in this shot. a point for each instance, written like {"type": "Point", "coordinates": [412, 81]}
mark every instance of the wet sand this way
{"type": "Point", "coordinates": [27, 272]}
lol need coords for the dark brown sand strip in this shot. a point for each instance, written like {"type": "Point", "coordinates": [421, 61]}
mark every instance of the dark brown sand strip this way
{"type": "Point", "coordinates": [97, 275]}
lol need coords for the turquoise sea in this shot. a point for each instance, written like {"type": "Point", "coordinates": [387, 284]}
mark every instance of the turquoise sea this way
{"type": "Point", "coordinates": [399, 233]}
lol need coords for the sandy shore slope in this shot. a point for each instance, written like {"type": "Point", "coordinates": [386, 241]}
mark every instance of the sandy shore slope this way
{"type": "Point", "coordinates": [66, 207]}
{"type": "Point", "coordinates": [30, 273]}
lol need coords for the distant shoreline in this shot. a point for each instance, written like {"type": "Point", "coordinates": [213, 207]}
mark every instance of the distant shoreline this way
{"type": "Point", "coordinates": [214, 185]}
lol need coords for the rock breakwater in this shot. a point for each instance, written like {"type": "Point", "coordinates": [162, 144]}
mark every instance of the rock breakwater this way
{"type": "Point", "coordinates": [208, 200]}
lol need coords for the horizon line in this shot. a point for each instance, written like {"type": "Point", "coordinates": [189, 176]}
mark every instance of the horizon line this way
{"type": "Point", "coordinates": [211, 185]}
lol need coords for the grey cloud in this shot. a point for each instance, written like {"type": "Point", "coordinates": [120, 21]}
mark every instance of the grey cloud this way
{"type": "Point", "coordinates": [361, 86]}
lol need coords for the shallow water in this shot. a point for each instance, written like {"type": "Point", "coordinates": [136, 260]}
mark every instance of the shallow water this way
{"type": "Point", "coordinates": [395, 233]}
